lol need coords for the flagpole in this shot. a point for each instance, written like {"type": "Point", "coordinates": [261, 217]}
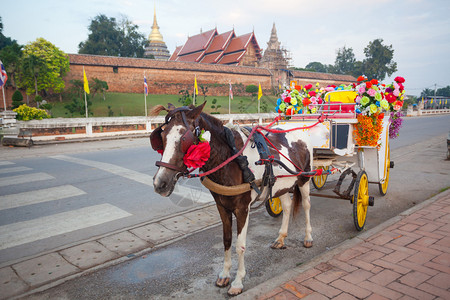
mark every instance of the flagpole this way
{"type": "Point", "coordinates": [85, 97]}
{"type": "Point", "coordinates": [145, 97]}
{"type": "Point", "coordinates": [259, 99]}
{"type": "Point", "coordinates": [85, 103]}
{"type": "Point", "coordinates": [229, 100]}
{"type": "Point", "coordinates": [195, 88]}
{"type": "Point", "coordinates": [4, 99]}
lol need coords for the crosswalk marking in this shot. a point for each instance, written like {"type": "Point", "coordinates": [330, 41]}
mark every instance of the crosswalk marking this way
{"type": "Point", "coordinates": [39, 196]}
{"type": "Point", "coordinates": [14, 169]}
{"type": "Point", "coordinates": [20, 179]}
{"type": "Point", "coordinates": [180, 190]}
{"type": "Point", "coordinates": [5, 163]}
{"type": "Point", "coordinates": [16, 234]}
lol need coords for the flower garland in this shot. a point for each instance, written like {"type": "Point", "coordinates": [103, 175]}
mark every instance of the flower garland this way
{"type": "Point", "coordinates": [368, 129]}
{"type": "Point", "coordinates": [396, 123]}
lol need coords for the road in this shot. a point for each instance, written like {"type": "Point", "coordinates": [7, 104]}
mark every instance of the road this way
{"type": "Point", "coordinates": [116, 176]}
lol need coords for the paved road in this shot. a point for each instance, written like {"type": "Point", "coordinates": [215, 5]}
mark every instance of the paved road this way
{"type": "Point", "coordinates": [188, 267]}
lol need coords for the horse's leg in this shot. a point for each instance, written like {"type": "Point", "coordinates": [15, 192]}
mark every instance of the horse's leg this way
{"type": "Point", "coordinates": [242, 226]}
{"type": "Point", "coordinates": [286, 203]}
{"type": "Point", "coordinates": [224, 277]}
{"type": "Point", "coordinates": [306, 203]}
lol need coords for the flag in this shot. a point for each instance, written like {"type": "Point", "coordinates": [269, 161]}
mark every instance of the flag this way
{"type": "Point", "coordinates": [3, 75]}
{"type": "Point", "coordinates": [431, 101]}
{"type": "Point", "coordinates": [259, 92]}
{"type": "Point", "coordinates": [145, 86]}
{"type": "Point", "coordinates": [86, 83]}
{"type": "Point", "coordinates": [195, 86]}
{"type": "Point", "coordinates": [231, 92]}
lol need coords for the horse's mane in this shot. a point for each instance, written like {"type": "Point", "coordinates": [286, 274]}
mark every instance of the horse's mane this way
{"type": "Point", "coordinates": [212, 121]}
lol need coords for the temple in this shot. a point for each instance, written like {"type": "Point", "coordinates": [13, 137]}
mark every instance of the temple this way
{"type": "Point", "coordinates": [275, 57]}
{"type": "Point", "coordinates": [210, 47]}
{"type": "Point", "coordinates": [156, 47]}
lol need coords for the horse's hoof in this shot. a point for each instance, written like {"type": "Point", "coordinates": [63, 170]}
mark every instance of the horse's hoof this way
{"type": "Point", "coordinates": [234, 291]}
{"type": "Point", "coordinates": [307, 244]}
{"type": "Point", "coordinates": [222, 282]}
{"type": "Point", "coordinates": [278, 245]}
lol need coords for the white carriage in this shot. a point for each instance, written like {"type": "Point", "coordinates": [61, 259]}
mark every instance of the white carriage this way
{"type": "Point", "coordinates": [335, 150]}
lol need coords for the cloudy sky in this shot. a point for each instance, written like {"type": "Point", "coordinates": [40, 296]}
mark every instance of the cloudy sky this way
{"type": "Point", "coordinates": [312, 30]}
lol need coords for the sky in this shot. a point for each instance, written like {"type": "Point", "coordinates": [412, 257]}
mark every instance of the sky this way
{"type": "Point", "coordinates": [311, 30]}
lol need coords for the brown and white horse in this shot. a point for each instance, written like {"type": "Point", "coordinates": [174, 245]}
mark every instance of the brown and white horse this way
{"type": "Point", "coordinates": [178, 133]}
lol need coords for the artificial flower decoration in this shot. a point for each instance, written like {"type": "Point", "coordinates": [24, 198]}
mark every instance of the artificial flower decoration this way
{"type": "Point", "coordinates": [198, 155]}
{"type": "Point", "coordinates": [300, 100]}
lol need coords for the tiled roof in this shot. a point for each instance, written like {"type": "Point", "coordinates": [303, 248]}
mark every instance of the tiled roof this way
{"type": "Point", "coordinates": [220, 42]}
{"type": "Point", "coordinates": [211, 58]}
{"type": "Point", "coordinates": [175, 53]}
{"type": "Point", "coordinates": [323, 76]}
{"type": "Point", "coordinates": [142, 63]}
{"type": "Point", "coordinates": [192, 57]}
{"type": "Point", "coordinates": [198, 42]}
{"type": "Point", "coordinates": [232, 58]}
{"type": "Point", "coordinates": [223, 44]}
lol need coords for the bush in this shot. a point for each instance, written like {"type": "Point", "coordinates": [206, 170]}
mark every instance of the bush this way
{"type": "Point", "coordinates": [17, 98]}
{"type": "Point", "coordinates": [26, 113]}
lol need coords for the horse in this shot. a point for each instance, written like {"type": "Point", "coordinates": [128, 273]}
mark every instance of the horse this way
{"type": "Point", "coordinates": [181, 130]}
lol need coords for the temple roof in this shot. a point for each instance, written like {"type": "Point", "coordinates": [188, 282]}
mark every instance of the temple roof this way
{"type": "Point", "coordinates": [155, 35]}
{"type": "Point", "coordinates": [214, 48]}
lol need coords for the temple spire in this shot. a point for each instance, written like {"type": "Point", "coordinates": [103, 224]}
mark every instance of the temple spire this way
{"type": "Point", "coordinates": [155, 35]}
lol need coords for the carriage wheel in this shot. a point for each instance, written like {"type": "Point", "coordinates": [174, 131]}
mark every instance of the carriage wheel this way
{"type": "Point", "coordinates": [319, 181]}
{"type": "Point", "coordinates": [273, 207]}
{"type": "Point", "coordinates": [384, 186]}
{"type": "Point", "coordinates": [360, 200]}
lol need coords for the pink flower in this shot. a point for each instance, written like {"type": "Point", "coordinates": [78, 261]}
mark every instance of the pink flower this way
{"type": "Point", "coordinates": [397, 107]}
{"type": "Point", "coordinates": [396, 92]}
{"type": "Point", "coordinates": [361, 90]}
{"type": "Point", "coordinates": [371, 92]}
{"type": "Point", "coordinates": [358, 99]}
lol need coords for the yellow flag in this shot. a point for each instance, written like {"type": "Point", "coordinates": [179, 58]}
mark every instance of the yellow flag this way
{"type": "Point", "coordinates": [86, 83]}
{"type": "Point", "coordinates": [259, 92]}
{"type": "Point", "coordinates": [195, 86]}
{"type": "Point", "coordinates": [431, 101]}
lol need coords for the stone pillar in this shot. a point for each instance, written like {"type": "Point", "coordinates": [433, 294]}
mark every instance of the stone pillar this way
{"type": "Point", "coordinates": [8, 123]}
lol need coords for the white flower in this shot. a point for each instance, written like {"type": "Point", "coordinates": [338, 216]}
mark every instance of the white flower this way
{"type": "Point", "coordinates": [206, 136]}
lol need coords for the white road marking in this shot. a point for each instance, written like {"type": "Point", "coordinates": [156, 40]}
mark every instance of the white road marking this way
{"type": "Point", "coordinates": [39, 196]}
{"type": "Point", "coordinates": [5, 163]}
{"type": "Point", "coordinates": [20, 179]}
{"type": "Point", "coordinates": [14, 169]}
{"type": "Point", "coordinates": [20, 233]}
{"type": "Point", "coordinates": [180, 190]}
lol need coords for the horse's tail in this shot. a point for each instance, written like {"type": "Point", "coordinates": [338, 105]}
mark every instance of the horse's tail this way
{"type": "Point", "coordinates": [297, 198]}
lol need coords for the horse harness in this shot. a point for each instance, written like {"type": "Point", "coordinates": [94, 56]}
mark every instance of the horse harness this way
{"type": "Point", "coordinates": [189, 138]}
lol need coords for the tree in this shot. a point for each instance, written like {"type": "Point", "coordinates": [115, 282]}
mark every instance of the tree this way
{"type": "Point", "coordinates": [252, 89]}
{"type": "Point", "coordinates": [98, 86]}
{"type": "Point", "coordinates": [108, 37]}
{"type": "Point", "coordinates": [378, 61]}
{"type": "Point", "coordinates": [43, 66]}
{"type": "Point", "coordinates": [17, 99]}
{"type": "Point", "coordinates": [5, 41]}
{"type": "Point", "coordinates": [345, 61]}
{"type": "Point", "coordinates": [11, 56]}
{"type": "Point", "coordinates": [316, 67]}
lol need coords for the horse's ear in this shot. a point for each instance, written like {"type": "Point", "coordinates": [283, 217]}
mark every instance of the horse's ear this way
{"type": "Point", "coordinates": [195, 112]}
{"type": "Point", "coordinates": [157, 109]}
{"type": "Point", "coordinates": [170, 106]}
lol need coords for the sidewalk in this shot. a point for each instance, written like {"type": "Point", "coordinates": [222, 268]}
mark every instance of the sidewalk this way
{"type": "Point", "coordinates": [407, 257]}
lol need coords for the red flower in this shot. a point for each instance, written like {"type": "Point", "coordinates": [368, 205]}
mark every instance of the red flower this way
{"type": "Point", "coordinates": [287, 99]}
{"type": "Point", "coordinates": [298, 87]}
{"type": "Point", "coordinates": [368, 84]}
{"type": "Point", "coordinates": [399, 79]}
{"type": "Point", "coordinates": [374, 81]}
{"type": "Point", "coordinates": [312, 93]}
{"type": "Point", "coordinates": [197, 155]}
{"type": "Point", "coordinates": [401, 87]}
{"type": "Point", "coordinates": [361, 78]}
{"type": "Point", "coordinates": [289, 111]}
{"type": "Point", "coordinates": [308, 86]}
{"type": "Point", "coordinates": [381, 116]}
{"type": "Point", "coordinates": [391, 98]}
{"type": "Point", "coordinates": [306, 102]}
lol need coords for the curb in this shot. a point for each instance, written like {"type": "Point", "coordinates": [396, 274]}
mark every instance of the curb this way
{"type": "Point", "coordinates": [267, 286]}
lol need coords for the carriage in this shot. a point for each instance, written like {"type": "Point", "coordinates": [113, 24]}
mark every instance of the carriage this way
{"type": "Point", "coordinates": [335, 151]}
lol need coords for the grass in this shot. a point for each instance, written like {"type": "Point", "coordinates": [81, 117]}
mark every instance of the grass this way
{"type": "Point", "coordinates": [133, 104]}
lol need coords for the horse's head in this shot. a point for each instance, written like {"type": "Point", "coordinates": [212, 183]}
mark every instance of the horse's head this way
{"type": "Point", "coordinates": [173, 139]}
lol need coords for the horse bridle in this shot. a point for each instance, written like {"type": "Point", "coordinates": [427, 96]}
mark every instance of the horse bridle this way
{"type": "Point", "coordinates": [187, 139]}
